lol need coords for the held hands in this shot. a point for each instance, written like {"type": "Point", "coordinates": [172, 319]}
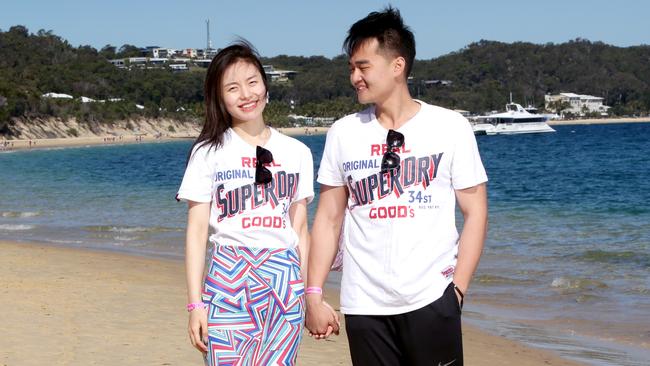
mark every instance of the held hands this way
{"type": "Point", "coordinates": [198, 329]}
{"type": "Point", "coordinates": [321, 320]}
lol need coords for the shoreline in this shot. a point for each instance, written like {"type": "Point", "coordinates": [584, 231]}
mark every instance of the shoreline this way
{"type": "Point", "coordinates": [598, 121]}
{"type": "Point", "coordinates": [65, 142]}
{"type": "Point", "coordinates": [86, 306]}
{"type": "Point", "coordinates": [110, 140]}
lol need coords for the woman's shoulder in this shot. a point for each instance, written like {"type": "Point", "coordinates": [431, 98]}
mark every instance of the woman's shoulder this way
{"type": "Point", "coordinates": [290, 143]}
{"type": "Point", "coordinates": [204, 150]}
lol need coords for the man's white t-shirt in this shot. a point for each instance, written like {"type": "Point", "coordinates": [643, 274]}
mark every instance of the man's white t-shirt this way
{"type": "Point", "coordinates": [243, 213]}
{"type": "Point", "coordinates": [400, 235]}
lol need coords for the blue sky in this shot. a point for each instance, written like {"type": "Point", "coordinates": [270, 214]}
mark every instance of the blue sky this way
{"type": "Point", "coordinates": [319, 27]}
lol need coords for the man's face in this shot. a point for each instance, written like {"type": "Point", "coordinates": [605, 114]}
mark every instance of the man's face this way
{"type": "Point", "coordinates": [371, 72]}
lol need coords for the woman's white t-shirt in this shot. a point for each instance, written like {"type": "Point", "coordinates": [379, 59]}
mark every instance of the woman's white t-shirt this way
{"type": "Point", "coordinates": [243, 213]}
{"type": "Point", "coordinates": [400, 235]}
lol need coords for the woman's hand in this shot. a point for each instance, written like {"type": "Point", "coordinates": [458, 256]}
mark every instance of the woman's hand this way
{"type": "Point", "coordinates": [198, 329]}
{"type": "Point", "coordinates": [320, 320]}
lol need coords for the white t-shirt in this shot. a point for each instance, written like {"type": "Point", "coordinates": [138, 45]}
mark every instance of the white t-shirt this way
{"type": "Point", "coordinates": [243, 213]}
{"type": "Point", "coordinates": [400, 236]}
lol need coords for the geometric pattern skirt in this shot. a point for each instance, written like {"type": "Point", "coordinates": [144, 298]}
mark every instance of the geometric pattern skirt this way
{"type": "Point", "coordinates": [255, 299]}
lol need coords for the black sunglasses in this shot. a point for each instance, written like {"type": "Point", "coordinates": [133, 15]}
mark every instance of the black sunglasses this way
{"type": "Point", "coordinates": [263, 174]}
{"type": "Point", "coordinates": [391, 160]}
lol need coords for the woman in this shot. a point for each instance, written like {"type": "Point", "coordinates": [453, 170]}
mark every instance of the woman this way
{"type": "Point", "coordinates": [249, 186]}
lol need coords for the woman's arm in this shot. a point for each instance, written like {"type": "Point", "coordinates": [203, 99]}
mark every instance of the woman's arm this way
{"type": "Point", "coordinates": [195, 246]}
{"type": "Point", "coordinates": [298, 217]}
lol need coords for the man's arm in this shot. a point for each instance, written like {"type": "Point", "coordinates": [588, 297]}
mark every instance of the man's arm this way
{"type": "Point", "coordinates": [324, 245]}
{"type": "Point", "coordinates": [473, 205]}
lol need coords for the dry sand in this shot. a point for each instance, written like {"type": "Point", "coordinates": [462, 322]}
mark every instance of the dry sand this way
{"type": "Point", "coordinates": [34, 144]}
{"type": "Point", "coordinates": [63, 306]}
{"type": "Point", "coordinates": [599, 121]}
{"type": "Point", "coordinates": [126, 139]}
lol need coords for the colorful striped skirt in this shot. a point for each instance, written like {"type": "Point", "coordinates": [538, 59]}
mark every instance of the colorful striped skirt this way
{"type": "Point", "coordinates": [255, 306]}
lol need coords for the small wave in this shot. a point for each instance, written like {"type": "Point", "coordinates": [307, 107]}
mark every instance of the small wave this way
{"type": "Point", "coordinates": [124, 238]}
{"type": "Point", "coordinates": [618, 258]}
{"type": "Point", "coordinates": [500, 280]}
{"type": "Point", "coordinates": [10, 227]}
{"type": "Point", "coordinates": [15, 214]}
{"type": "Point", "coordinates": [57, 241]}
{"type": "Point", "coordinates": [568, 283]}
{"type": "Point", "coordinates": [130, 229]}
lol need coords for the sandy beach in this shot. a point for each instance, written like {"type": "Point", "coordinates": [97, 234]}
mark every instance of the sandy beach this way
{"type": "Point", "coordinates": [42, 143]}
{"type": "Point", "coordinates": [598, 121]}
{"type": "Point", "coordinates": [34, 144]}
{"type": "Point", "coordinates": [63, 306]}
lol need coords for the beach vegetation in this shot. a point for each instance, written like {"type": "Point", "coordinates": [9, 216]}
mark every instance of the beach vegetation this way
{"type": "Point", "coordinates": [73, 132]}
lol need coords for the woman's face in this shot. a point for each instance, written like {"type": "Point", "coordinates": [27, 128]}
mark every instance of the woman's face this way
{"type": "Point", "coordinates": [243, 91]}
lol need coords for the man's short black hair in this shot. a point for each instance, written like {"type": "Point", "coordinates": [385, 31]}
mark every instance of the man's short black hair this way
{"type": "Point", "coordinates": [388, 28]}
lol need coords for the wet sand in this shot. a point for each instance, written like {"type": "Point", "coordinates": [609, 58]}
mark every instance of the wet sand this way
{"type": "Point", "coordinates": [64, 306]}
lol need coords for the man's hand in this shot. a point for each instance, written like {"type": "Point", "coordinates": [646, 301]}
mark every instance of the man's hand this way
{"type": "Point", "coordinates": [321, 320]}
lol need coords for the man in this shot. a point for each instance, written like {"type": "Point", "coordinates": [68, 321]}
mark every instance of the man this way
{"type": "Point", "coordinates": [398, 168]}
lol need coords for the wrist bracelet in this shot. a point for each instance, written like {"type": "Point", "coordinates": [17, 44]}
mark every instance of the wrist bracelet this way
{"type": "Point", "coordinates": [313, 290]}
{"type": "Point", "coordinates": [196, 305]}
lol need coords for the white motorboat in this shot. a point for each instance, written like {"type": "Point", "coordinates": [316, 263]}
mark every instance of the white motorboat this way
{"type": "Point", "coordinates": [514, 120]}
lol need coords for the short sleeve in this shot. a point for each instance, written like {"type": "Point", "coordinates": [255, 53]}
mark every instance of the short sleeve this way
{"type": "Point", "coordinates": [329, 172]}
{"type": "Point", "coordinates": [306, 181]}
{"type": "Point", "coordinates": [466, 167]}
{"type": "Point", "coordinates": [197, 181]}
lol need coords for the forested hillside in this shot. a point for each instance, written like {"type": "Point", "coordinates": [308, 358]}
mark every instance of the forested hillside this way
{"type": "Point", "coordinates": [478, 78]}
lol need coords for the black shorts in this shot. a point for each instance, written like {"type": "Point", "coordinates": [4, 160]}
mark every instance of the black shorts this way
{"type": "Point", "coordinates": [427, 336]}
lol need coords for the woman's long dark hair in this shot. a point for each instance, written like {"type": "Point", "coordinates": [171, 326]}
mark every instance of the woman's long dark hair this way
{"type": "Point", "coordinates": [217, 118]}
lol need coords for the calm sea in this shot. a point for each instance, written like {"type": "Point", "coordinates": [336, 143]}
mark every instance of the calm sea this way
{"type": "Point", "coordinates": [566, 265]}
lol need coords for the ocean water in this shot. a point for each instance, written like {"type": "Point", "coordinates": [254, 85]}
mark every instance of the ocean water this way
{"type": "Point", "coordinates": [566, 265]}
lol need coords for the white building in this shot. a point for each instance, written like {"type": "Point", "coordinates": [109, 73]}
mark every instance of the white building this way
{"type": "Point", "coordinates": [162, 52]}
{"type": "Point", "coordinates": [119, 63]}
{"type": "Point", "coordinates": [311, 121]}
{"type": "Point", "coordinates": [190, 52]}
{"type": "Point", "coordinates": [578, 104]}
{"type": "Point", "coordinates": [137, 60]}
{"type": "Point", "coordinates": [57, 96]}
{"type": "Point", "coordinates": [178, 67]}
{"type": "Point", "coordinates": [278, 75]}
{"type": "Point", "coordinates": [158, 61]}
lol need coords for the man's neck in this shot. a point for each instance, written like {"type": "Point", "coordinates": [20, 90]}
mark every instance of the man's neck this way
{"type": "Point", "coordinates": [397, 109]}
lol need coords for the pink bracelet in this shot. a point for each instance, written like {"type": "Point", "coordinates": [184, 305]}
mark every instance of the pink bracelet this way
{"type": "Point", "coordinates": [196, 305]}
{"type": "Point", "coordinates": [313, 290]}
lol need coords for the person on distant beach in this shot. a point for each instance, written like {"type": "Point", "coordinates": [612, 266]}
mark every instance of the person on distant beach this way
{"type": "Point", "coordinates": [249, 185]}
{"type": "Point", "coordinates": [399, 168]}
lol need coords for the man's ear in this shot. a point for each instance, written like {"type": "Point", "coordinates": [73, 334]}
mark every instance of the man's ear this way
{"type": "Point", "coordinates": [399, 65]}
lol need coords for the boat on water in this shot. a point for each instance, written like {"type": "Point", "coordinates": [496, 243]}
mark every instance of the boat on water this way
{"type": "Point", "coordinates": [514, 120]}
